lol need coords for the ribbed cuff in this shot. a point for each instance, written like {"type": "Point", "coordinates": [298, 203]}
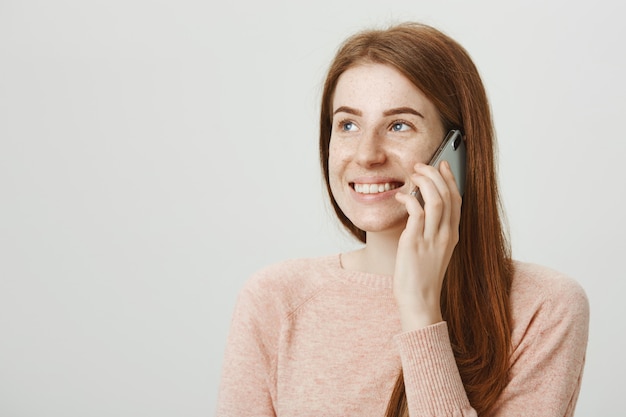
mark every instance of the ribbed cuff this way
{"type": "Point", "coordinates": [431, 377]}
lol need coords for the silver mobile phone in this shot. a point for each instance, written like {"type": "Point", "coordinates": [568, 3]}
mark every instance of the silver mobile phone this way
{"type": "Point", "coordinates": [452, 149]}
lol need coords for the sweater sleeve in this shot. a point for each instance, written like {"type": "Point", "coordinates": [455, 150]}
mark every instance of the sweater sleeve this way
{"type": "Point", "coordinates": [431, 377]}
{"type": "Point", "coordinates": [546, 363]}
{"type": "Point", "coordinates": [245, 386]}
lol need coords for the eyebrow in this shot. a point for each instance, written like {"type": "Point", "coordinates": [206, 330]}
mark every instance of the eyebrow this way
{"type": "Point", "coordinates": [390, 112]}
{"type": "Point", "coordinates": [403, 110]}
{"type": "Point", "coordinates": [346, 109]}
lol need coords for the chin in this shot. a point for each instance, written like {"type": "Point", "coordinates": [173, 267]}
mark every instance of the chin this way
{"type": "Point", "coordinates": [378, 225]}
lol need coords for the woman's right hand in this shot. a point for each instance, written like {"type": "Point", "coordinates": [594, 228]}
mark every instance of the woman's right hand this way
{"type": "Point", "coordinates": [426, 245]}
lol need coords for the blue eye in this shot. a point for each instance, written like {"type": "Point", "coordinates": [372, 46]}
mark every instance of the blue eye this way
{"type": "Point", "coordinates": [400, 127]}
{"type": "Point", "coordinates": [347, 126]}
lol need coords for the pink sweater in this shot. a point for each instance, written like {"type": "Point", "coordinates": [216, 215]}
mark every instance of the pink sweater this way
{"type": "Point", "coordinates": [309, 338]}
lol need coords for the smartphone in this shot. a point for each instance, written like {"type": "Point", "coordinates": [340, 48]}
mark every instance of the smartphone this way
{"type": "Point", "coordinates": [452, 149]}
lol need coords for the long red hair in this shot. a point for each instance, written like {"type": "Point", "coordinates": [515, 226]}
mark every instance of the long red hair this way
{"type": "Point", "coordinates": [475, 294]}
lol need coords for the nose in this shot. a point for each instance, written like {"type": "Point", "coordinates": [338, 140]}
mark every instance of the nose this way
{"type": "Point", "coordinates": [370, 151]}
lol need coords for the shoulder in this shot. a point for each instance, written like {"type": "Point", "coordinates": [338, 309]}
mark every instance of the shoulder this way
{"type": "Point", "coordinates": [295, 275]}
{"type": "Point", "coordinates": [545, 299]}
{"type": "Point", "coordinates": [539, 284]}
{"type": "Point", "coordinates": [284, 286]}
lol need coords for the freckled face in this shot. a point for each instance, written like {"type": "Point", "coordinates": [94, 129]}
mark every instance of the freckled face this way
{"type": "Point", "coordinates": [382, 126]}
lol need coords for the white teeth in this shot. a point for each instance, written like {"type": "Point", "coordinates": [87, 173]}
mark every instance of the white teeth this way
{"type": "Point", "coordinates": [374, 188]}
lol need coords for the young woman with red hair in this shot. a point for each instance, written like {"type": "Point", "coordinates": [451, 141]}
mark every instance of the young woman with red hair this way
{"type": "Point", "coordinates": [431, 317]}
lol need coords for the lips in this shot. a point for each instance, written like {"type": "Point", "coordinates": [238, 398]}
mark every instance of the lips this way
{"type": "Point", "coordinates": [375, 188]}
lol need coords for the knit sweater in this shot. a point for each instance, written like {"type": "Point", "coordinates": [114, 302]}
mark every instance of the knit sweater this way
{"type": "Point", "coordinates": [309, 338]}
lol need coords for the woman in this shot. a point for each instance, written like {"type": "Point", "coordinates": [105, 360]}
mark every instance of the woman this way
{"type": "Point", "coordinates": [431, 316]}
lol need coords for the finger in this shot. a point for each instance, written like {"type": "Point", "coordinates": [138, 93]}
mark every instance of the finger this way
{"type": "Point", "coordinates": [448, 177]}
{"type": "Point", "coordinates": [431, 185]}
{"type": "Point", "coordinates": [454, 195]}
{"type": "Point", "coordinates": [415, 222]}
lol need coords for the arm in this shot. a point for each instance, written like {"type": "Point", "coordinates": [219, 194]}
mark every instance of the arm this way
{"type": "Point", "coordinates": [432, 381]}
{"type": "Point", "coordinates": [546, 364]}
{"type": "Point", "coordinates": [245, 388]}
{"type": "Point", "coordinates": [549, 347]}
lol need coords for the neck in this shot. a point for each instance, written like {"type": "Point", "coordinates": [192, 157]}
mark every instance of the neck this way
{"type": "Point", "coordinates": [379, 254]}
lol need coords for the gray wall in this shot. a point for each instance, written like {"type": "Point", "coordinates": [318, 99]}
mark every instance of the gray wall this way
{"type": "Point", "coordinates": [154, 154]}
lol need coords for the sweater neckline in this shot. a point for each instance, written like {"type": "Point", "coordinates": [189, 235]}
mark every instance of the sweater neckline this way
{"type": "Point", "coordinates": [363, 278]}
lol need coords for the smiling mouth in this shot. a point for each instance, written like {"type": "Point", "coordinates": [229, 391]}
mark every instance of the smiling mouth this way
{"type": "Point", "coordinates": [375, 188]}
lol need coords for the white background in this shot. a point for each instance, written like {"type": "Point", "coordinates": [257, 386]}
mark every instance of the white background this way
{"type": "Point", "coordinates": [153, 154]}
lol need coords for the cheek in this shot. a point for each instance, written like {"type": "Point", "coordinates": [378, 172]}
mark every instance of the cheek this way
{"type": "Point", "coordinates": [411, 154]}
{"type": "Point", "coordinates": [334, 158]}
{"type": "Point", "coordinates": [336, 165]}
{"type": "Point", "coordinates": [334, 173]}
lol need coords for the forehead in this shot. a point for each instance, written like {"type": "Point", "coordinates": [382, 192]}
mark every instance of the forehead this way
{"type": "Point", "coordinates": [377, 87]}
